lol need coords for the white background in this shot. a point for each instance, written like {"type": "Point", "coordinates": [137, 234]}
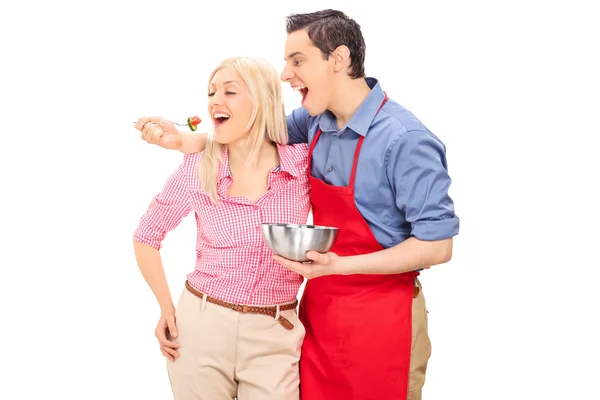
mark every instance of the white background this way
{"type": "Point", "coordinates": [511, 87]}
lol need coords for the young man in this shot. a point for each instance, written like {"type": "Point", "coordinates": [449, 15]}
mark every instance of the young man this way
{"type": "Point", "coordinates": [379, 175]}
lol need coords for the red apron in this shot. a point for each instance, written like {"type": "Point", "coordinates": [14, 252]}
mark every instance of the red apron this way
{"type": "Point", "coordinates": [358, 327]}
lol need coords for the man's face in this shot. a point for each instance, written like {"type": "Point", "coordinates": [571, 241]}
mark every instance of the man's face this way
{"type": "Point", "coordinates": [307, 72]}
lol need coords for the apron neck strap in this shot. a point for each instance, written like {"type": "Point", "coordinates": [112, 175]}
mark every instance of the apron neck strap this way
{"type": "Point", "coordinates": [356, 150]}
{"type": "Point", "coordinates": [311, 148]}
{"type": "Point", "coordinates": [359, 145]}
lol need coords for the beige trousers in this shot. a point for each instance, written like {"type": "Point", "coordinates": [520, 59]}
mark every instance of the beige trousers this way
{"type": "Point", "coordinates": [225, 354]}
{"type": "Point", "coordinates": [421, 346]}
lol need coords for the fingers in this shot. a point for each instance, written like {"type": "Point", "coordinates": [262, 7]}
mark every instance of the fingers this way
{"type": "Point", "coordinates": [169, 353]}
{"type": "Point", "coordinates": [141, 122]}
{"type": "Point", "coordinates": [317, 257]}
{"type": "Point", "coordinates": [152, 132]}
{"type": "Point", "coordinates": [167, 347]}
{"type": "Point", "coordinates": [166, 343]}
{"type": "Point", "coordinates": [161, 335]}
{"type": "Point", "coordinates": [283, 261]}
{"type": "Point", "coordinates": [166, 125]}
{"type": "Point", "coordinates": [166, 327]}
{"type": "Point", "coordinates": [172, 326]}
{"type": "Point", "coordinates": [139, 125]}
{"type": "Point", "coordinates": [291, 265]}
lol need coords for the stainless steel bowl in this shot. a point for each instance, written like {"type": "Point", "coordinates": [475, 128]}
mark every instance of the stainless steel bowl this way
{"type": "Point", "coordinates": [293, 241]}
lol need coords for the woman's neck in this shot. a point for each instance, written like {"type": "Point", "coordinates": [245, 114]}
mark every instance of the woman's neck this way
{"type": "Point", "coordinates": [266, 156]}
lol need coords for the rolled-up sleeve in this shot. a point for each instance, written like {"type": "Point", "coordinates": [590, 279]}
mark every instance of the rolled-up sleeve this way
{"type": "Point", "coordinates": [297, 123]}
{"type": "Point", "coordinates": [165, 212]}
{"type": "Point", "coordinates": [417, 169]}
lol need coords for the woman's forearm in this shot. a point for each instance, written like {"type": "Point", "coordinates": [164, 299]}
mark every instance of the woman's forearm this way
{"type": "Point", "coordinates": [192, 142]}
{"type": "Point", "coordinates": [150, 264]}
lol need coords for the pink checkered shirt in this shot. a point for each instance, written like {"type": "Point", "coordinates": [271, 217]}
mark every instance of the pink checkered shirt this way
{"type": "Point", "coordinates": [233, 263]}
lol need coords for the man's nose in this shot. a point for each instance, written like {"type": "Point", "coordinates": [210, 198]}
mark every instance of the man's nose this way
{"type": "Point", "coordinates": [286, 74]}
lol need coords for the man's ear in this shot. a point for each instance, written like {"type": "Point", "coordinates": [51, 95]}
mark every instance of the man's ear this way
{"type": "Point", "coordinates": [341, 57]}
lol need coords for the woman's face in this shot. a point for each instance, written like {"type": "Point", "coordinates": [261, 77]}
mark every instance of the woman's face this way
{"type": "Point", "coordinates": [230, 106]}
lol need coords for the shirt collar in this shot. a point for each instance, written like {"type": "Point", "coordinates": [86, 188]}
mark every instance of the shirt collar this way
{"type": "Point", "coordinates": [288, 161]}
{"type": "Point", "coordinates": [364, 115]}
{"type": "Point", "coordinates": [223, 171]}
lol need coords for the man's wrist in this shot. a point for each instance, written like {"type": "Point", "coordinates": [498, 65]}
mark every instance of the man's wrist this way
{"type": "Point", "coordinates": [346, 266]}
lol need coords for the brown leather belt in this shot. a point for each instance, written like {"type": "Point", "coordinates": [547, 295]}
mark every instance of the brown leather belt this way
{"type": "Point", "coordinates": [271, 311]}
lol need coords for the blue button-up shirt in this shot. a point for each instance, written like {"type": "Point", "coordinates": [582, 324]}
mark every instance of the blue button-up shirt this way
{"type": "Point", "coordinates": [402, 181]}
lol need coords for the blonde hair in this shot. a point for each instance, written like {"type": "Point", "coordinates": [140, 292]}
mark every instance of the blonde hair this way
{"type": "Point", "coordinates": [267, 118]}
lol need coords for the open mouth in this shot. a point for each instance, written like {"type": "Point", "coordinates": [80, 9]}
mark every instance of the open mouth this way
{"type": "Point", "coordinates": [303, 90]}
{"type": "Point", "coordinates": [220, 118]}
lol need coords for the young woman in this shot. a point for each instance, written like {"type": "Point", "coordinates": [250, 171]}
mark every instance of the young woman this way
{"type": "Point", "coordinates": [235, 331]}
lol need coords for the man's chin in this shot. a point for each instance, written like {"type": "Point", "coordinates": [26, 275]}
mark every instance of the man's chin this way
{"type": "Point", "coordinates": [314, 111]}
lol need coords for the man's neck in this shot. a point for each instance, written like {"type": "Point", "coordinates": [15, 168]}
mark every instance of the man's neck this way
{"type": "Point", "coordinates": [349, 96]}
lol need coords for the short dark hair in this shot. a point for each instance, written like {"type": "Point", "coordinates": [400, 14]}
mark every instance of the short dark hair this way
{"type": "Point", "coordinates": [328, 29]}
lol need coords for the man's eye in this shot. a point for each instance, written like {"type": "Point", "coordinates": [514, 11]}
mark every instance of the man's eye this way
{"type": "Point", "coordinates": [297, 62]}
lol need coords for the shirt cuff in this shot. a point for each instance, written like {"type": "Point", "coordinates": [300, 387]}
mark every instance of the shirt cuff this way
{"type": "Point", "coordinates": [150, 242]}
{"type": "Point", "coordinates": [436, 230]}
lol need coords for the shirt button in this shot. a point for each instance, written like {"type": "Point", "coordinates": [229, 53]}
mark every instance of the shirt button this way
{"type": "Point", "coordinates": [330, 169]}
